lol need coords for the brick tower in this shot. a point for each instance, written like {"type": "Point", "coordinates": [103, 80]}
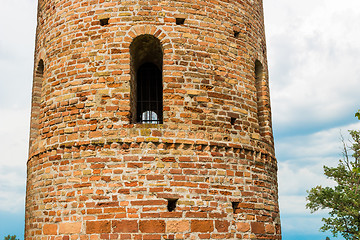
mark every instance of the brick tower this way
{"type": "Point", "coordinates": [151, 120]}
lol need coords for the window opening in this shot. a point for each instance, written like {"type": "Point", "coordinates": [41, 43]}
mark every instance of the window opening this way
{"type": "Point", "coordinates": [180, 21]}
{"type": "Point", "coordinates": [150, 117]}
{"type": "Point", "coordinates": [40, 69]}
{"type": "Point", "coordinates": [104, 21]}
{"type": "Point", "coordinates": [172, 204]}
{"type": "Point", "coordinates": [232, 121]}
{"type": "Point", "coordinates": [149, 94]}
{"type": "Point", "coordinates": [146, 96]}
{"type": "Point", "coordinates": [235, 206]}
{"type": "Point", "coordinates": [236, 34]}
{"type": "Point", "coordinates": [35, 104]}
{"type": "Point", "coordinates": [258, 76]}
{"type": "Point", "coordinates": [259, 92]}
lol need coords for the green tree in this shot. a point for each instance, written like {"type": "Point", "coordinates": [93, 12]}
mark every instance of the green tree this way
{"type": "Point", "coordinates": [343, 200]}
{"type": "Point", "coordinates": [8, 237]}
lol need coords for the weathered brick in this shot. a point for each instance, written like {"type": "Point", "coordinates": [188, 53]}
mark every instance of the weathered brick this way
{"type": "Point", "coordinates": [177, 226]}
{"type": "Point", "coordinates": [202, 225]}
{"type": "Point", "coordinates": [125, 226]}
{"type": "Point", "coordinates": [269, 228]}
{"type": "Point", "coordinates": [242, 227]}
{"type": "Point", "coordinates": [50, 229]}
{"type": "Point", "coordinates": [98, 227]}
{"type": "Point", "coordinates": [152, 226]}
{"type": "Point", "coordinates": [70, 227]}
{"type": "Point", "coordinates": [222, 225]}
{"type": "Point", "coordinates": [258, 227]}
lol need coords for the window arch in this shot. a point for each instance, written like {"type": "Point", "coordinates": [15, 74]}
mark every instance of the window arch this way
{"type": "Point", "coordinates": [146, 64]}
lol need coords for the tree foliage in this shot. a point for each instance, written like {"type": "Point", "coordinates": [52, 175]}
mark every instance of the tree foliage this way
{"type": "Point", "coordinates": [343, 200]}
{"type": "Point", "coordinates": [357, 114]}
{"type": "Point", "coordinates": [8, 237]}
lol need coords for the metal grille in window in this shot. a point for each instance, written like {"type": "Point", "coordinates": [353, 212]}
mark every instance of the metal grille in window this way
{"type": "Point", "coordinates": [149, 107]}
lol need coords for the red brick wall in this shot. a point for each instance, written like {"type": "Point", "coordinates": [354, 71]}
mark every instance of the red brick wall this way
{"type": "Point", "coordinates": [94, 175]}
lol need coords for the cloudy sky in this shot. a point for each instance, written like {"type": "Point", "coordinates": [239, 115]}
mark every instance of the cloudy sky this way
{"type": "Point", "coordinates": [314, 65]}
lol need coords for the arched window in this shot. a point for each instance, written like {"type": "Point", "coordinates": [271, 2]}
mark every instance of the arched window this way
{"type": "Point", "coordinates": [146, 57]}
{"type": "Point", "coordinates": [259, 72]}
{"type": "Point", "coordinates": [40, 69]}
{"type": "Point", "coordinates": [35, 103]}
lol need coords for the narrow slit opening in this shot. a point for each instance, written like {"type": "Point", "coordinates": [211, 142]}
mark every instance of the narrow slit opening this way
{"type": "Point", "coordinates": [259, 75]}
{"type": "Point", "coordinates": [171, 204]}
{"type": "Point", "coordinates": [104, 21]}
{"type": "Point", "coordinates": [40, 69]}
{"type": "Point", "coordinates": [232, 121]}
{"type": "Point", "coordinates": [236, 34]}
{"type": "Point", "coordinates": [180, 21]}
{"type": "Point", "coordinates": [235, 206]}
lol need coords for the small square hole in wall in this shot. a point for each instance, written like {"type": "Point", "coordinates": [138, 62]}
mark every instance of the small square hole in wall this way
{"type": "Point", "coordinates": [236, 34]}
{"type": "Point", "coordinates": [171, 204]}
{"type": "Point", "coordinates": [180, 21]}
{"type": "Point", "coordinates": [104, 21]}
{"type": "Point", "coordinates": [235, 206]}
{"type": "Point", "coordinates": [232, 121]}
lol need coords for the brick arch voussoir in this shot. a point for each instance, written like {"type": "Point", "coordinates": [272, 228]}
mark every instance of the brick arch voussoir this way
{"type": "Point", "coordinates": [160, 34]}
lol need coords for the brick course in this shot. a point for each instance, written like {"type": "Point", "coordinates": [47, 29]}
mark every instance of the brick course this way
{"type": "Point", "coordinates": [95, 174]}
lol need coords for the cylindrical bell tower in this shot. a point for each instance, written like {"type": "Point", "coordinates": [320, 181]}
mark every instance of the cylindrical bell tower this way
{"type": "Point", "coordinates": [151, 120]}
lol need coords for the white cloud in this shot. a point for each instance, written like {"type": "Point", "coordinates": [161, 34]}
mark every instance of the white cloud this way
{"type": "Point", "coordinates": [12, 201]}
{"type": "Point", "coordinates": [303, 158]}
{"type": "Point", "coordinates": [293, 204]}
{"type": "Point", "coordinates": [17, 31]}
{"type": "Point", "coordinates": [314, 64]}
{"type": "Point", "coordinates": [17, 28]}
{"type": "Point", "coordinates": [295, 179]}
{"type": "Point", "coordinates": [301, 168]}
{"type": "Point", "coordinates": [14, 129]}
{"type": "Point", "coordinates": [314, 146]}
